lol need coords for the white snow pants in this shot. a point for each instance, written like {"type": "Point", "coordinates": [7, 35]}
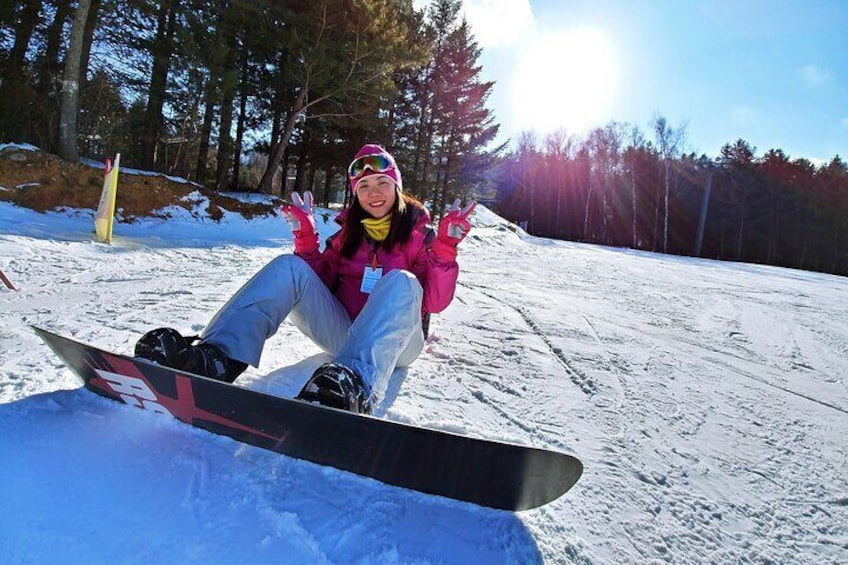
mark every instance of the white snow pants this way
{"type": "Point", "coordinates": [386, 334]}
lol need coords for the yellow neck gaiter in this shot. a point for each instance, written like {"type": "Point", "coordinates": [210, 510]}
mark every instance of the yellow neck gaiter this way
{"type": "Point", "coordinates": [378, 229]}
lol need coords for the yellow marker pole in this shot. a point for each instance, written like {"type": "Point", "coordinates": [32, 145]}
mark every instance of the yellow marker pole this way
{"type": "Point", "coordinates": [105, 217]}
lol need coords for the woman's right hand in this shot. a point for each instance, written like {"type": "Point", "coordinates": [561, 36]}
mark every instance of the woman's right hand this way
{"type": "Point", "coordinates": [301, 219]}
{"type": "Point", "coordinates": [299, 214]}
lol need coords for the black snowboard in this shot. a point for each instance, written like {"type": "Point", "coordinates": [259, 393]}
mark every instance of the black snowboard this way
{"type": "Point", "coordinates": [488, 473]}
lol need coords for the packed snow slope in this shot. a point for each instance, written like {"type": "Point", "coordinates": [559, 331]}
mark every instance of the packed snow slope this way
{"type": "Point", "coordinates": [707, 400]}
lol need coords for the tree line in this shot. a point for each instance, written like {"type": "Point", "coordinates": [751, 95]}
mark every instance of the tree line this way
{"type": "Point", "coordinates": [621, 187]}
{"type": "Point", "coordinates": [273, 96]}
{"type": "Point", "coordinates": [251, 94]}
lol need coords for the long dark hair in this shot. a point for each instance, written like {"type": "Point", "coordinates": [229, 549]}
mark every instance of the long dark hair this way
{"type": "Point", "coordinates": [404, 216]}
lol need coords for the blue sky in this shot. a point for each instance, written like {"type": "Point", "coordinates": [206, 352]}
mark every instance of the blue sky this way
{"type": "Point", "coordinates": [774, 73]}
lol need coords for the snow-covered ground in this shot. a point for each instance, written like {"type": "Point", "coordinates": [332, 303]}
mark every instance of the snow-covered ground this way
{"type": "Point", "coordinates": [707, 400]}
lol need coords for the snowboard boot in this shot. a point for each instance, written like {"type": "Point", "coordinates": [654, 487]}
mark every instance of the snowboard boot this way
{"type": "Point", "coordinates": [166, 346]}
{"type": "Point", "coordinates": [339, 387]}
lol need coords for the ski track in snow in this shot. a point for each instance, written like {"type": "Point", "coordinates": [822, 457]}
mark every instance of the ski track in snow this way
{"type": "Point", "coordinates": [707, 400]}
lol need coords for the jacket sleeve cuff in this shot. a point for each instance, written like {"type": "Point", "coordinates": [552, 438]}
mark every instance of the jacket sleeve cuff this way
{"type": "Point", "coordinates": [306, 244]}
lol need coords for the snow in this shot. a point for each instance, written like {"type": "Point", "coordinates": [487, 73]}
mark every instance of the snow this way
{"type": "Point", "coordinates": [22, 146]}
{"type": "Point", "coordinates": [707, 400]}
{"type": "Point", "coordinates": [130, 171]}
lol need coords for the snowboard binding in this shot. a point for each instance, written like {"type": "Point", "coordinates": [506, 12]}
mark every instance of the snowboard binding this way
{"type": "Point", "coordinates": [166, 346]}
{"type": "Point", "coordinates": [337, 386]}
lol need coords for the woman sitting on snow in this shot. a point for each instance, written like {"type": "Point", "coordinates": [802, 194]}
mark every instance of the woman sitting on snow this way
{"type": "Point", "coordinates": [365, 299]}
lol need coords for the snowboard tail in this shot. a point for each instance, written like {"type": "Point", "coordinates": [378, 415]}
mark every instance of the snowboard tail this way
{"type": "Point", "coordinates": [484, 472]}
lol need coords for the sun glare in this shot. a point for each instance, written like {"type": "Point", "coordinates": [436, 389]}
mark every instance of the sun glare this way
{"type": "Point", "coordinates": [565, 80]}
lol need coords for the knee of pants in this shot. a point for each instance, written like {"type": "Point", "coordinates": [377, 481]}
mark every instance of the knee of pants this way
{"type": "Point", "coordinates": [402, 281]}
{"type": "Point", "coordinates": [287, 262]}
{"type": "Point", "coordinates": [287, 265]}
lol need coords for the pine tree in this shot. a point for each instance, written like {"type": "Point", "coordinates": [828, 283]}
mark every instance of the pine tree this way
{"type": "Point", "coordinates": [465, 126]}
{"type": "Point", "coordinates": [341, 52]}
{"type": "Point", "coordinates": [443, 125]}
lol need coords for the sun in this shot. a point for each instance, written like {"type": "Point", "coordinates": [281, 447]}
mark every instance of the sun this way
{"type": "Point", "coordinates": [565, 80]}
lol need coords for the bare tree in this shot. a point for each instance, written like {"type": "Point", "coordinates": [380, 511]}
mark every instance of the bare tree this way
{"type": "Point", "coordinates": [558, 146]}
{"type": "Point", "coordinates": [527, 150]}
{"type": "Point", "coordinates": [605, 145]}
{"type": "Point", "coordinates": [636, 146]}
{"type": "Point", "coordinates": [670, 143]}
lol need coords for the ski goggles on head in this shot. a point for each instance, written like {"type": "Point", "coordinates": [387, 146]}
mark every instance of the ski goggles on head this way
{"type": "Point", "coordinates": [376, 163]}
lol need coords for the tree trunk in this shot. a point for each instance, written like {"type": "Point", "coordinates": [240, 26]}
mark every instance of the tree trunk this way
{"type": "Point", "coordinates": [313, 171]}
{"type": "Point", "coordinates": [276, 156]}
{"type": "Point", "coordinates": [702, 218]}
{"type": "Point", "coordinates": [88, 36]}
{"type": "Point", "coordinates": [657, 200]}
{"type": "Point", "coordinates": [283, 171]}
{"type": "Point", "coordinates": [162, 49]}
{"type": "Point", "coordinates": [225, 138]}
{"type": "Point", "coordinates": [234, 184]}
{"type": "Point", "coordinates": [558, 221]}
{"type": "Point", "coordinates": [665, 204]}
{"type": "Point", "coordinates": [69, 110]}
{"type": "Point", "coordinates": [422, 143]}
{"type": "Point", "coordinates": [302, 164]}
{"type": "Point", "coordinates": [531, 224]}
{"type": "Point", "coordinates": [741, 232]}
{"type": "Point", "coordinates": [771, 238]}
{"type": "Point", "coordinates": [206, 129]}
{"type": "Point", "coordinates": [275, 129]}
{"type": "Point", "coordinates": [633, 206]}
{"type": "Point", "coordinates": [607, 228]}
{"type": "Point", "coordinates": [50, 63]}
{"type": "Point", "coordinates": [390, 122]}
{"type": "Point", "coordinates": [328, 182]}
{"type": "Point", "coordinates": [16, 98]}
{"type": "Point", "coordinates": [49, 71]}
{"type": "Point", "coordinates": [834, 265]}
{"type": "Point", "coordinates": [276, 125]}
{"type": "Point", "coordinates": [586, 212]}
{"type": "Point", "coordinates": [210, 95]}
{"type": "Point", "coordinates": [29, 18]}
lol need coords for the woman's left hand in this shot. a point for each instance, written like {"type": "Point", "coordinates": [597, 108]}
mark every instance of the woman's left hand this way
{"type": "Point", "coordinates": [452, 230]}
{"type": "Point", "coordinates": [455, 225]}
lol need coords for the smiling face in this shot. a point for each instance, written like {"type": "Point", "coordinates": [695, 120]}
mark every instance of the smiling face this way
{"type": "Point", "coordinates": [376, 195]}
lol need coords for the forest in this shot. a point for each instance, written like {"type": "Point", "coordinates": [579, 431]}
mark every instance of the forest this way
{"type": "Point", "coordinates": [275, 96]}
{"type": "Point", "coordinates": [620, 188]}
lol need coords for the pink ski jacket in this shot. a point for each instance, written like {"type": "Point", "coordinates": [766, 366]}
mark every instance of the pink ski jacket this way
{"type": "Point", "coordinates": [344, 276]}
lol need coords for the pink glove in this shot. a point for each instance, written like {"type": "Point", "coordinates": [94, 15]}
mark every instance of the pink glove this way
{"type": "Point", "coordinates": [452, 229]}
{"type": "Point", "coordinates": [301, 219]}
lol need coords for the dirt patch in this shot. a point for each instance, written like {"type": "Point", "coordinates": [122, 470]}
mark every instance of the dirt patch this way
{"type": "Point", "coordinates": [42, 181]}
